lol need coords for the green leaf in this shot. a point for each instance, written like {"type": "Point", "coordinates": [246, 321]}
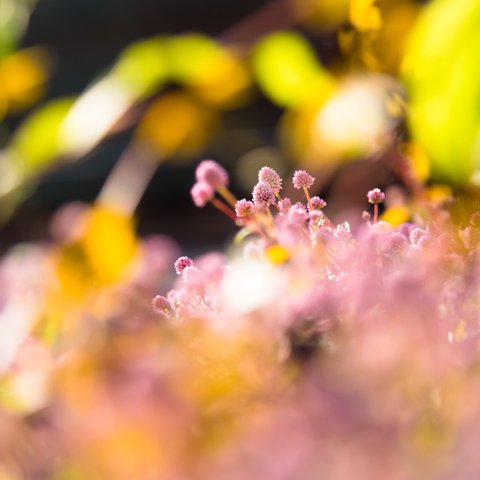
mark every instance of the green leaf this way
{"type": "Point", "coordinates": [36, 143]}
{"type": "Point", "coordinates": [288, 70]}
{"type": "Point", "coordinates": [142, 67]}
{"type": "Point", "coordinates": [189, 55]}
{"type": "Point", "coordinates": [442, 74]}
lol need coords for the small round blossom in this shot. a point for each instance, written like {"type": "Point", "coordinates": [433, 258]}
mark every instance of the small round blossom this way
{"type": "Point", "coordinates": [284, 205]}
{"type": "Point", "coordinates": [366, 216]}
{"type": "Point", "coordinates": [318, 203]}
{"type": "Point", "coordinates": [182, 263]}
{"type": "Point", "coordinates": [270, 176]}
{"type": "Point", "coordinates": [418, 236]}
{"type": "Point", "coordinates": [201, 193]}
{"type": "Point", "coordinates": [263, 194]}
{"type": "Point", "coordinates": [244, 208]}
{"type": "Point", "coordinates": [302, 179]}
{"type": "Point", "coordinates": [211, 173]}
{"type": "Point", "coordinates": [375, 196]}
{"type": "Point", "coordinates": [315, 216]}
{"type": "Point", "coordinates": [191, 275]}
{"type": "Point", "coordinates": [298, 213]}
{"type": "Point", "coordinates": [397, 243]}
{"type": "Point", "coordinates": [342, 231]}
{"type": "Point", "coordinates": [161, 305]}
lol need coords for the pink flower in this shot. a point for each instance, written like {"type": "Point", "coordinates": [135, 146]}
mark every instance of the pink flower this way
{"type": "Point", "coordinates": [284, 205]}
{"type": "Point", "coordinates": [263, 194]}
{"type": "Point", "coordinates": [161, 305]}
{"type": "Point", "coordinates": [244, 208]}
{"type": "Point", "coordinates": [270, 176]}
{"type": "Point", "coordinates": [201, 193]}
{"type": "Point", "coordinates": [298, 213]}
{"type": "Point", "coordinates": [211, 173]}
{"type": "Point", "coordinates": [302, 179]}
{"type": "Point", "coordinates": [318, 203]}
{"type": "Point", "coordinates": [375, 196]}
{"type": "Point", "coordinates": [182, 263]}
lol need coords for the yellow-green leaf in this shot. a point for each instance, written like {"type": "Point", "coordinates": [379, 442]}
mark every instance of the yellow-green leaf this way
{"type": "Point", "coordinates": [288, 70]}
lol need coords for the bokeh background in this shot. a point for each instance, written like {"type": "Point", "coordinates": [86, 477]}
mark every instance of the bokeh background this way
{"type": "Point", "coordinates": [83, 39]}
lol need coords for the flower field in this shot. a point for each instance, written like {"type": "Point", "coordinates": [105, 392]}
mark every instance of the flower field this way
{"type": "Point", "coordinates": [334, 335]}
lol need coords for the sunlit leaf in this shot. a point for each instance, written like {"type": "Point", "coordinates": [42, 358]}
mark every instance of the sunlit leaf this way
{"type": "Point", "coordinates": [224, 81]}
{"type": "Point", "coordinates": [365, 15]}
{"type": "Point", "coordinates": [37, 142]}
{"type": "Point", "coordinates": [14, 15]}
{"type": "Point", "coordinates": [109, 243]}
{"type": "Point", "coordinates": [396, 215]}
{"type": "Point", "coordinates": [189, 56]}
{"type": "Point", "coordinates": [22, 78]}
{"type": "Point", "coordinates": [419, 161]}
{"type": "Point", "coordinates": [175, 123]}
{"type": "Point", "coordinates": [94, 114]}
{"type": "Point", "coordinates": [142, 67]}
{"type": "Point", "coordinates": [101, 256]}
{"type": "Point", "coordinates": [322, 14]}
{"type": "Point", "coordinates": [443, 76]}
{"type": "Point", "coordinates": [288, 71]}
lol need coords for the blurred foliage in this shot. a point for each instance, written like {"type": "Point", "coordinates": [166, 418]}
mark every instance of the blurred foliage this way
{"type": "Point", "coordinates": [174, 88]}
{"type": "Point", "coordinates": [37, 141]}
{"type": "Point", "coordinates": [142, 67]}
{"type": "Point", "coordinates": [14, 15]}
{"type": "Point", "coordinates": [443, 77]}
{"type": "Point", "coordinates": [288, 70]}
{"type": "Point", "coordinates": [333, 111]}
{"type": "Point", "coordinates": [23, 76]}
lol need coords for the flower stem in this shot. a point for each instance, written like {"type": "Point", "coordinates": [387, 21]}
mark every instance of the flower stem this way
{"type": "Point", "coordinates": [224, 209]}
{"type": "Point", "coordinates": [308, 198]}
{"type": "Point", "coordinates": [227, 195]}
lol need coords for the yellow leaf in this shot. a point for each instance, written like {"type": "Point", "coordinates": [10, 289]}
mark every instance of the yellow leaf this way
{"type": "Point", "coordinates": [288, 70]}
{"type": "Point", "coordinates": [396, 215]}
{"type": "Point", "coordinates": [22, 77]}
{"type": "Point", "coordinates": [365, 15]}
{"type": "Point", "coordinates": [175, 123]}
{"type": "Point", "coordinates": [109, 243]}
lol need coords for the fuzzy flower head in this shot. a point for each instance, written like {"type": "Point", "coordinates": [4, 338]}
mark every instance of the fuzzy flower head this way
{"type": "Point", "coordinates": [212, 174]}
{"type": "Point", "coordinates": [263, 194]}
{"type": "Point", "coordinates": [315, 217]}
{"type": "Point", "coordinates": [375, 196]}
{"type": "Point", "coordinates": [284, 205]}
{"type": "Point", "coordinates": [366, 216]}
{"type": "Point", "coordinates": [302, 179]}
{"type": "Point", "coordinates": [182, 263]}
{"type": "Point", "coordinates": [244, 208]}
{"type": "Point", "coordinates": [270, 176]}
{"type": "Point", "coordinates": [161, 305]}
{"type": "Point", "coordinates": [201, 193]}
{"type": "Point", "coordinates": [318, 203]}
{"type": "Point", "coordinates": [298, 213]}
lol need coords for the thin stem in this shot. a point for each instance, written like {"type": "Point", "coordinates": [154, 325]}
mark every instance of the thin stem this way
{"type": "Point", "coordinates": [375, 212]}
{"type": "Point", "coordinates": [227, 195]}
{"type": "Point", "coordinates": [128, 180]}
{"type": "Point", "coordinates": [308, 198]}
{"type": "Point", "coordinates": [224, 209]}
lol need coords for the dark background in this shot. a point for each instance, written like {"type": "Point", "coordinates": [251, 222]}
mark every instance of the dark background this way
{"type": "Point", "coordinates": [85, 37]}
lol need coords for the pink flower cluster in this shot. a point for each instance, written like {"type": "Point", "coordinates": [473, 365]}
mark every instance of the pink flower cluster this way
{"type": "Point", "coordinates": [310, 350]}
{"type": "Point", "coordinates": [381, 325]}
